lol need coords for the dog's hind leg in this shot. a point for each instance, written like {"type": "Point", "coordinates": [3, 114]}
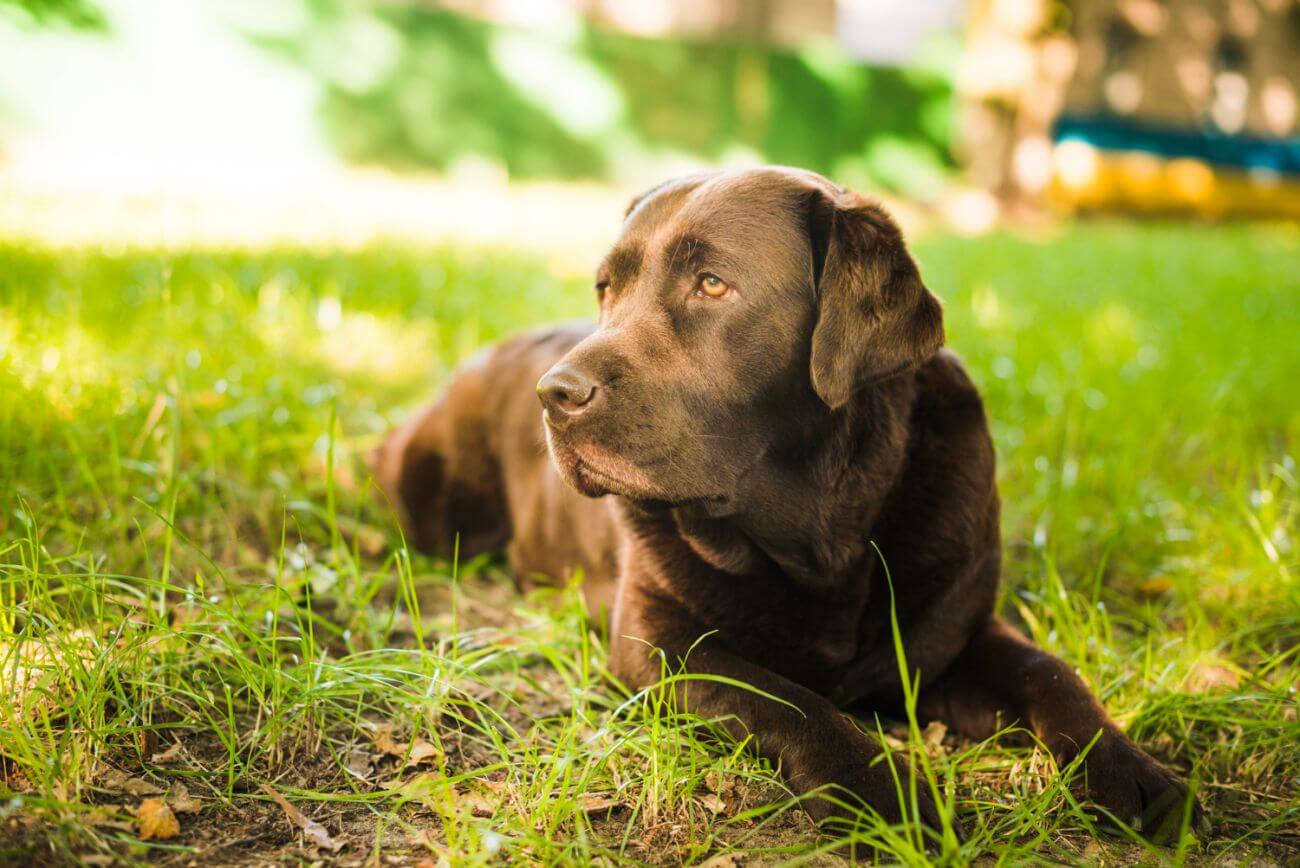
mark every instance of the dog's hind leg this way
{"type": "Point", "coordinates": [443, 477]}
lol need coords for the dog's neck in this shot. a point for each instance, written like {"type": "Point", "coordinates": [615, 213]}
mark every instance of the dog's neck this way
{"type": "Point", "coordinates": [809, 506]}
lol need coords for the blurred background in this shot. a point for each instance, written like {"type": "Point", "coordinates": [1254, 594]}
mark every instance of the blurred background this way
{"type": "Point", "coordinates": [531, 121]}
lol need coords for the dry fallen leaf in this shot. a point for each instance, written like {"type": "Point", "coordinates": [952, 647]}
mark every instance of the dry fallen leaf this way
{"type": "Point", "coordinates": [171, 755]}
{"type": "Point", "coordinates": [421, 753]}
{"type": "Point", "coordinates": [480, 804]}
{"type": "Point", "coordinates": [933, 735]}
{"type": "Point", "coordinates": [156, 820]}
{"type": "Point", "coordinates": [423, 839]}
{"type": "Point", "coordinates": [141, 787]}
{"type": "Point", "coordinates": [360, 765]}
{"type": "Point", "coordinates": [382, 736]}
{"type": "Point", "coordinates": [596, 804]}
{"type": "Point", "coordinates": [714, 804]}
{"type": "Point", "coordinates": [722, 860]}
{"type": "Point", "coordinates": [109, 816]}
{"type": "Point", "coordinates": [180, 800]}
{"type": "Point", "coordinates": [118, 781]}
{"type": "Point", "coordinates": [313, 830]}
{"type": "Point", "coordinates": [413, 753]}
{"type": "Point", "coordinates": [420, 786]}
{"type": "Point", "coordinates": [96, 859]}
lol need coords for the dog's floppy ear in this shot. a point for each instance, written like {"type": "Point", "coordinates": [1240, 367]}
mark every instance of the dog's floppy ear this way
{"type": "Point", "coordinates": [874, 316]}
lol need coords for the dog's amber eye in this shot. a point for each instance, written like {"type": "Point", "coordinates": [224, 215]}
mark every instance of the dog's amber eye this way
{"type": "Point", "coordinates": [712, 286]}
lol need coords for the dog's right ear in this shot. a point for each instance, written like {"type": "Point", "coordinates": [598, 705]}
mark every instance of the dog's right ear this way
{"type": "Point", "coordinates": [875, 318]}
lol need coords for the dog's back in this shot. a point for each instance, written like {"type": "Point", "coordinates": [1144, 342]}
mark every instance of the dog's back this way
{"type": "Point", "coordinates": [469, 473]}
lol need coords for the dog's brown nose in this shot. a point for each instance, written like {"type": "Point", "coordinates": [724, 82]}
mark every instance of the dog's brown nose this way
{"type": "Point", "coordinates": [566, 391]}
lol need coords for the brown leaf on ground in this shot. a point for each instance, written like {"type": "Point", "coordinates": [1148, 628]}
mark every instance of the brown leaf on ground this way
{"type": "Point", "coordinates": [933, 736]}
{"type": "Point", "coordinates": [171, 755]}
{"type": "Point", "coordinates": [118, 781]}
{"type": "Point", "coordinates": [712, 803]}
{"type": "Point", "coordinates": [310, 828]}
{"type": "Point", "coordinates": [156, 820]}
{"type": "Point", "coordinates": [180, 800]}
{"type": "Point", "coordinates": [422, 753]}
{"type": "Point", "coordinates": [719, 782]}
{"type": "Point", "coordinates": [416, 752]}
{"type": "Point", "coordinates": [360, 765]}
{"type": "Point", "coordinates": [597, 804]}
{"type": "Point", "coordinates": [480, 804]}
{"type": "Point", "coordinates": [722, 860]}
{"type": "Point", "coordinates": [110, 817]}
{"type": "Point", "coordinates": [96, 859]}
{"type": "Point", "coordinates": [382, 736]}
{"type": "Point", "coordinates": [420, 786]}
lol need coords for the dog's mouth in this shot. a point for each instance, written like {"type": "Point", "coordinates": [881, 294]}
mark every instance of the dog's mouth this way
{"type": "Point", "coordinates": [593, 483]}
{"type": "Point", "coordinates": [596, 471]}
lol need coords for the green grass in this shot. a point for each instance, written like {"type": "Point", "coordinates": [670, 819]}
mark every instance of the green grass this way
{"type": "Point", "coordinates": [190, 553]}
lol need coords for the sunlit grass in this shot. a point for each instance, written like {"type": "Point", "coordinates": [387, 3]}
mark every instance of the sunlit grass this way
{"type": "Point", "coordinates": [190, 554]}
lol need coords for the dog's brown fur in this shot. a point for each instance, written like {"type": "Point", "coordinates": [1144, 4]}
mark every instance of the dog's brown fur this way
{"type": "Point", "coordinates": [759, 446]}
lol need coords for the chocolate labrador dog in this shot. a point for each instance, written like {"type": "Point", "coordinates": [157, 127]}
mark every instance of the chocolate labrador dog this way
{"type": "Point", "coordinates": [758, 458]}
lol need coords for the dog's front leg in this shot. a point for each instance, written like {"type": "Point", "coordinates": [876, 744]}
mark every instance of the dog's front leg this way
{"type": "Point", "coordinates": [1002, 679]}
{"type": "Point", "coordinates": [818, 749]}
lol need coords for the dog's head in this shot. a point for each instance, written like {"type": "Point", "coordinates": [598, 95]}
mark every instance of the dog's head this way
{"type": "Point", "coordinates": [732, 306]}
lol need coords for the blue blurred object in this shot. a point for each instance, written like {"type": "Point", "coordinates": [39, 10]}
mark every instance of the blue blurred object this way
{"type": "Point", "coordinates": [1209, 144]}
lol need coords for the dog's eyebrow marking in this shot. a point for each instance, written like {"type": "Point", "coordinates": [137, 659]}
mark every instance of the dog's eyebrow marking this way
{"type": "Point", "coordinates": [689, 252]}
{"type": "Point", "coordinates": [622, 264]}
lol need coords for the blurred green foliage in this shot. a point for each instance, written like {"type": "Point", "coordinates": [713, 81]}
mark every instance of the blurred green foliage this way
{"type": "Point", "coordinates": [77, 13]}
{"type": "Point", "coordinates": [425, 87]}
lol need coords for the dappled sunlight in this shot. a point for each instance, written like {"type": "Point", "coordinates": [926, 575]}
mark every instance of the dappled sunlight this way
{"type": "Point", "coordinates": [1114, 331]}
{"type": "Point", "coordinates": [390, 349]}
{"type": "Point", "coordinates": [571, 224]}
{"type": "Point", "coordinates": [986, 306]}
{"type": "Point", "coordinates": [64, 363]}
{"type": "Point", "coordinates": [41, 672]}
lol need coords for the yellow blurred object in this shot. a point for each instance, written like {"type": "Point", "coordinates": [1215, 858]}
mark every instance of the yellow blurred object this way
{"type": "Point", "coordinates": [1085, 178]}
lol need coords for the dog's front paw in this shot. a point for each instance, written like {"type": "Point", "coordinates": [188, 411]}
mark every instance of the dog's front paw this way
{"type": "Point", "coordinates": [847, 791]}
{"type": "Point", "coordinates": [1137, 790]}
